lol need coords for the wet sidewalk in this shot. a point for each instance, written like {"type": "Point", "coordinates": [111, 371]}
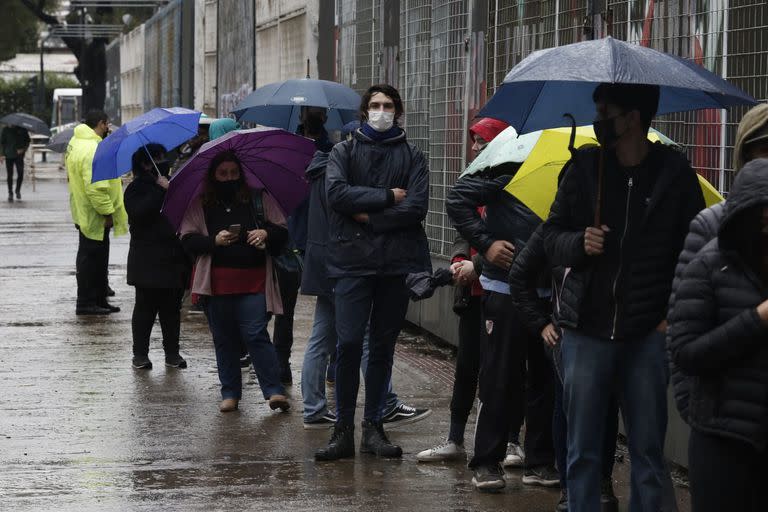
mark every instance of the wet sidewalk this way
{"type": "Point", "coordinates": [81, 430]}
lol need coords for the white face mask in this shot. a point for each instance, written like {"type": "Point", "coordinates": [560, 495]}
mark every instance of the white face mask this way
{"type": "Point", "coordinates": [381, 121]}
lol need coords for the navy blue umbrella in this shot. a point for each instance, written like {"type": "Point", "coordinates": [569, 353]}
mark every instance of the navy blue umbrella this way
{"type": "Point", "coordinates": [278, 104]}
{"type": "Point", "coordinates": [170, 127]}
{"type": "Point", "coordinates": [549, 83]}
{"type": "Point", "coordinates": [27, 121]}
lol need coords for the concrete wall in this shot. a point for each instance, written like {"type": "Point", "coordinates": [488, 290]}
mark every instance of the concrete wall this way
{"type": "Point", "coordinates": [235, 53]}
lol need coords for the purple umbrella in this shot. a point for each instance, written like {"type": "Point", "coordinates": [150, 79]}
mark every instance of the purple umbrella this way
{"type": "Point", "coordinates": [272, 159]}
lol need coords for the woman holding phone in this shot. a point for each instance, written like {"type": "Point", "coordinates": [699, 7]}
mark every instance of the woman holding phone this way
{"type": "Point", "coordinates": [233, 274]}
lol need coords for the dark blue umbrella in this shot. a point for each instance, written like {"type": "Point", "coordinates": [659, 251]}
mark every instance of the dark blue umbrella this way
{"type": "Point", "coordinates": [549, 83]}
{"type": "Point", "coordinates": [169, 127]}
{"type": "Point", "coordinates": [278, 104]}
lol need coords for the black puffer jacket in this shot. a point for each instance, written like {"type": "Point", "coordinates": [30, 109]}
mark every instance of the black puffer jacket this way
{"type": "Point", "coordinates": [648, 269]}
{"type": "Point", "coordinates": [530, 271]}
{"type": "Point", "coordinates": [359, 178]}
{"type": "Point", "coordinates": [703, 229]}
{"type": "Point", "coordinates": [314, 279]}
{"type": "Point", "coordinates": [156, 258]}
{"type": "Point", "coordinates": [716, 337]}
{"type": "Point", "coordinates": [506, 218]}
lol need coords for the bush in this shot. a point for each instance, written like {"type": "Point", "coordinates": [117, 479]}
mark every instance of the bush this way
{"type": "Point", "coordinates": [21, 95]}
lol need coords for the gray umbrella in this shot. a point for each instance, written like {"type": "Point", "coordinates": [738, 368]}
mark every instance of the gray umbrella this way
{"type": "Point", "coordinates": [27, 121]}
{"type": "Point", "coordinates": [60, 141]}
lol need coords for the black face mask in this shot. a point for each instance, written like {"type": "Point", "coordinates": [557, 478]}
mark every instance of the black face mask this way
{"type": "Point", "coordinates": [605, 131]}
{"type": "Point", "coordinates": [226, 190]}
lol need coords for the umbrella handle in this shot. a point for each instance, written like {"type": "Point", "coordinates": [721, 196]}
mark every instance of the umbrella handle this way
{"type": "Point", "coordinates": [599, 201]}
{"type": "Point", "coordinates": [572, 140]}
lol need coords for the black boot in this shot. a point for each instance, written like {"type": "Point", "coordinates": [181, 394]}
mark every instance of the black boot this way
{"type": "Point", "coordinates": [608, 501]}
{"type": "Point", "coordinates": [341, 445]}
{"type": "Point", "coordinates": [375, 441]}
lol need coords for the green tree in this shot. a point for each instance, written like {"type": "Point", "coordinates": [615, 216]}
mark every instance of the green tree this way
{"type": "Point", "coordinates": [20, 94]}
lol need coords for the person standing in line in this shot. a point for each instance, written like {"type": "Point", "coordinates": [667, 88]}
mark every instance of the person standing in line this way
{"type": "Point", "coordinates": [96, 209]}
{"type": "Point", "coordinates": [14, 142]}
{"type": "Point", "coordinates": [614, 297]}
{"type": "Point", "coordinates": [468, 306]}
{"type": "Point", "coordinates": [510, 355]}
{"type": "Point", "coordinates": [378, 193]}
{"type": "Point", "coordinates": [751, 143]}
{"type": "Point", "coordinates": [322, 341]}
{"type": "Point", "coordinates": [157, 265]}
{"type": "Point", "coordinates": [233, 250]}
{"type": "Point", "coordinates": [717, 337]}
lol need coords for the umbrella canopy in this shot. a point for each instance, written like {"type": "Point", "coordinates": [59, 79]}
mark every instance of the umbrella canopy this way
{"type": "Point", "coordinates": [278, 104]}
{"type": "Point", "coordinates": [544, 153]}
{"type": "Point", "coordinates": [30, 122]}
{"type": "Point", "coordinates": [272, 159]}
{"type": "Point", "coordinates": [549, 83]}
{"type": "Point", "coordinates": [60, 140]}
{"type": "Point", "coordinates": [169, 127]}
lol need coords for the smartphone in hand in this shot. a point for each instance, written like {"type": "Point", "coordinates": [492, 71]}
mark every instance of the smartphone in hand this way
{"type": "Point", "coordinates": [234, 229]}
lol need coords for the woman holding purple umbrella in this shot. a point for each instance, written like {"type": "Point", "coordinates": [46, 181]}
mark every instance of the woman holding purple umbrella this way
{"type": "Point", "coordinates": [233, 231]}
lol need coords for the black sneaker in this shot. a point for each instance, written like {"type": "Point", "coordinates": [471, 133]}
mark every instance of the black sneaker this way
{"type": "Point", "coordinates": [375, 441]}
{"type": "Point", "coordinates": [91, 309]}
{"type": "Point", "coordinates": [608, 500]}
{"type": "Point", "coordinates": [562, 505]}
{"type": "Point", "coordinates": [245, 361]}
{"type": "Point", "coordinates": [403, 415]}
{"type": "Point", "coordinates": [18, 195]}
{"type": "Point", "coordinates": [175, 361]}
{"type": "Point", "coordinates": [141, 363]}
{"type": "Point", "coordinates": [543, 476]}
{"type": "Point", "coordinates": [196, 309]}
{"type": "Point", "coordinates": [327, 420]}
{"type": "Point", "coordinates": [489, 478]}
{"type": "Point", "coordinates": [341, 445]}
{"type": "Point", "coordinates": [10, 197]}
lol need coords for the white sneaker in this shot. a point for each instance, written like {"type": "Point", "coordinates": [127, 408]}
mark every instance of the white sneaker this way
{"type": "Point", "coordinates": [446, 451]}
{"type": "Point", "coordinates": [515, 456]}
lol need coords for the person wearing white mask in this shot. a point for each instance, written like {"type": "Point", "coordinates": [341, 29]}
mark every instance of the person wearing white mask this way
{"type": "Point", "coordinates": [377, 187]}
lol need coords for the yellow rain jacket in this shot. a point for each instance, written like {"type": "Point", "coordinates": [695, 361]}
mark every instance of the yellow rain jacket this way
{"type": "Point", "coordinates": [90, 202]}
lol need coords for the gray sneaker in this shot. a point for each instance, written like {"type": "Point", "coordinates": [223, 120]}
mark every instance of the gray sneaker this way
{"type": "Point", "coordinates": [489, 478]}
{"type": "Point", "coordinates": [446, 451]}
{"type": "Point", "coordinates": [515, 456]}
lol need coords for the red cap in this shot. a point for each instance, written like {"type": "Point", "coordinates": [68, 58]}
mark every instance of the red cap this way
{"type": "Point", "coordinates": [488, 128]}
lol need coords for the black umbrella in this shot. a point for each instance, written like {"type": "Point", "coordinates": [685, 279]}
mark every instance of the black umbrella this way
{"type": "Point", "coordinates": [27, 121]}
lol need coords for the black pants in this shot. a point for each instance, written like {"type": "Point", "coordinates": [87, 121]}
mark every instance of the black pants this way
{"type": "Point", "coordinates": [91, 268]}
{"type": "Point", "coordinates": [467, 368]}
{"type": "Point", "coordinates": [9, 164]}
{"type": "Point", "coordinates": [151, 302]}
{"type": "Point", "coordinates": [283, 334]}
{"type": "Point", "coordinates": [725, 474]}
{"type": "Point", "coordinates": [502, 382]}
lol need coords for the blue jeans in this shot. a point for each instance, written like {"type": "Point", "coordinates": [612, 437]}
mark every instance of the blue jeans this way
{"type": "Point", "coordinates": [595, 370]}
{"type": "Point", "coordinates": [321, 343]}
{"type": "Point", "coordinates": [384, 301]}
{"type": "Point", "coordinates": [233, 318]}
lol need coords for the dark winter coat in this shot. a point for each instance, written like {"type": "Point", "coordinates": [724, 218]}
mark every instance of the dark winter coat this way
{"type": "Point", "coordinates": [703, 229]}
{"type": "Point", "coordinates": [156, 258]}
{"type": "Point", "coordinates": [359, 178]}
{"type": "Point", "coordinates": [647, 262]}
{"type": "Point", "coordinates": [314, 279]}
{"type": "Point", "coordinates": [530, 271]}
{"type": "Point", "coordinates": [716, 337]}
{"type": "Point", "coordinates": [506, 218]}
